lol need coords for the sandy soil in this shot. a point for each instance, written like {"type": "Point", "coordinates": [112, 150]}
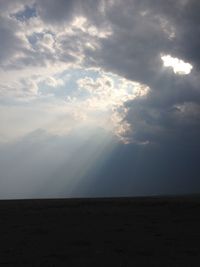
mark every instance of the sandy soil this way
{"type": "Point", "coordinates": [101, 232]}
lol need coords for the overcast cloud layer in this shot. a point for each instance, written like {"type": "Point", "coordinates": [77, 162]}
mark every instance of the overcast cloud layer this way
{"type": "Point", "coordinates": [119, 79]}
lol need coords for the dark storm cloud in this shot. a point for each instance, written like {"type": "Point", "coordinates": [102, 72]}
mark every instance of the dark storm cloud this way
{"type": "Point", "coordinates": [167, 120]}
{"type": "Point", "coordinates": [10, 44]}
{"type": "Point", "coordinates": [10, 5]}
{"type": "Point", "coordinates": [134, 48]}
{"type": "Point", "coordinates": [56, 11]}
{"type": "Point", "coordinates": [61, 11]}
{"type": "Point", "coordinates": [185, 16]}
{"type": "Point", "coordinates": [142, 32]}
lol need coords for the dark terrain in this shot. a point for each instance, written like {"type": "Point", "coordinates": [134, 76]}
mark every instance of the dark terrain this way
{"type": "Point", "coordinates": [101, 232]}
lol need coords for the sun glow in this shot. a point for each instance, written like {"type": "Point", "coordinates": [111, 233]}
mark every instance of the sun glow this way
{"type": "Point", "coordinates": [179, 66]}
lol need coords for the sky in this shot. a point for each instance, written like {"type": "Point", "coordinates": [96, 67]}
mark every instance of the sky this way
{"type": "Point", "coordinates": [99, 98]}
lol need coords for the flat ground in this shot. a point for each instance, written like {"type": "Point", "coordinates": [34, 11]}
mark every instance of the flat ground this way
{"type": "Point", "coordinates": [101, 232]}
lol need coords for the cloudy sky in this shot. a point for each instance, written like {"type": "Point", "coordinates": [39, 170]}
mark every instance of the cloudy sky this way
{"type": "Point", "coordinates": [99, 98]}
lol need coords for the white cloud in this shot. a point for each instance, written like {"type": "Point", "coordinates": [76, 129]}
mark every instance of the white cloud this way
{"type": "Point", "coordinates": [110, 90]}
{"type": "Point", "coordinates": [106, 96]}
{"type": "Point", "coordinates": [47, 43]}
{"type": "Point", "coordinates": [24, 89]}
{"type": "Point", "coordinates": [53, 82]}
{"type": "Point", "coordinates": [167, 27]}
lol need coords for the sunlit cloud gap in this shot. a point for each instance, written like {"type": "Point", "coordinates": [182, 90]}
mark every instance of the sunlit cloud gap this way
{"type": "Point", "coordinates": [91, 98]}
{"type": "Point", "coordinates": [179, 66]}
{"type": "Point", "coordinates": [102, 99]}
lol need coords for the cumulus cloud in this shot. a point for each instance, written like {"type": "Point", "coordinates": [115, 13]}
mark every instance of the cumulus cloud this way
{"type": "Point", "coordinates": [51, 81]}
{"type": "Point", "coordinates": [107, 94]}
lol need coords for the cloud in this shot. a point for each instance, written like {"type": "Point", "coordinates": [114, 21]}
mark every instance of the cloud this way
{"type": "Point", "coordinates": [141, 34]}
{"type": "Point", "coordinates": [127, 62]}
{"type": "Point", "coordinates": [106, 96]}
{"type": "Point", "coordinates": [127, 39]}
{"type": "Point", "coordinates": [52, 82]}
{"type": "Point", "coordinates": [10, 44]}
{"type": "Point", "coordinates": [124, 38]}
{"type": "Point", "coordinates": [56, 11]}
{"type": "Point", "coordinates": [22, 89]}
